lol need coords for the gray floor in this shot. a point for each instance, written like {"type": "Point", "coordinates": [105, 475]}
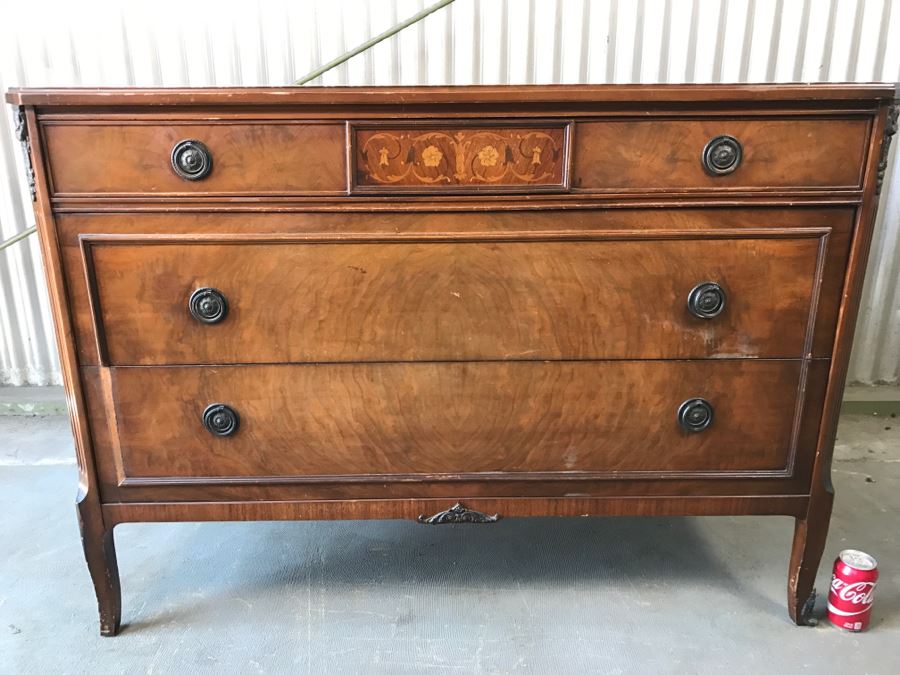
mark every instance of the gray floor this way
{"type": "Point", "coordinates": [521, 596]}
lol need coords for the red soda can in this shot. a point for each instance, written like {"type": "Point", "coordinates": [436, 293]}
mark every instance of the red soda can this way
{"type": "Point", "coordinates": [852, 584]}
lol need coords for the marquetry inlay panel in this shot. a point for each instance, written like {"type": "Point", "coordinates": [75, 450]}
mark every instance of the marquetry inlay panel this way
{"type": "Point", "coordinates": [467, 157]}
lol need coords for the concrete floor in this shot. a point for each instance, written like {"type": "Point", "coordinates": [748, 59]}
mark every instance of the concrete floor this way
{"type": "Point", "coordinates": [522, 596]}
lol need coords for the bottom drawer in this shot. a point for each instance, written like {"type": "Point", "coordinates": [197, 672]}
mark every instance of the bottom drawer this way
{"type": "Point", "coordinates": [417, 421]}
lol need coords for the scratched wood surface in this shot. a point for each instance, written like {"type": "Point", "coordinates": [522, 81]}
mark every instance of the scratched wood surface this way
{"type": "Point", "coordinates": [302, 157]}
{"type": "Point", "coordinates": [420, 419]}
{"type": "Point", "coordinates": [117, 159]}
{"type": "Point", "coordinates": [665, 154]}
{"type": "Point", "coordinates": [295, 302]}
{"type": "Point", "coordinates": [398, 225]}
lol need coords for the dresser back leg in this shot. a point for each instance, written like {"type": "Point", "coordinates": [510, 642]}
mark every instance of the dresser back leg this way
{"type": "Point", "coordinates": [810, 534]}
{"type": "Point", "coordinates": [100, 553]}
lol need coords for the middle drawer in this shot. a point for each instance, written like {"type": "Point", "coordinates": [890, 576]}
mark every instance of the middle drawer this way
{"type": "Point", "coordinates": [208, 301]}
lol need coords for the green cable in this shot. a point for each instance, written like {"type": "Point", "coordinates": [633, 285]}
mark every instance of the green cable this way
{"type": "Point", "coordinates": [18, 237]}
{"type": "Point", "coordinates": [346, 56]}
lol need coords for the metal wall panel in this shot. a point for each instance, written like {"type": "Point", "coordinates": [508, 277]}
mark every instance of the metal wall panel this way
{"type": "Point", "coordinates": [212, 42]}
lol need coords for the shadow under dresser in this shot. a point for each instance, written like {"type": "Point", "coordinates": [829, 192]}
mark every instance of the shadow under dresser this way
{"type": "Point", "coordinates": [455, 304]}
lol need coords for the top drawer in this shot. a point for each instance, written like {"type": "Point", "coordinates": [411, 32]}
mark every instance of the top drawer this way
{"type": "Point", "coordinates": [720, 153]}
{"type": "Point", "coordinates": [306, 158]}
{"type": "Point", "coordinates": [119, 159]}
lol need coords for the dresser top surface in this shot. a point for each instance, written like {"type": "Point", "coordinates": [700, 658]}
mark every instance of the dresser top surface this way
{"type": "Point", "coordinates": [653, 94]}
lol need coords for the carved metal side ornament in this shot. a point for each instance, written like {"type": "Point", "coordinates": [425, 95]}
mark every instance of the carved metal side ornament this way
{"type": "Point", "coordinates": [458, 514]}
{"type": "Point", "coordinates": [890, 128]}
{"type": "Point", "coordinates": [22, 136]}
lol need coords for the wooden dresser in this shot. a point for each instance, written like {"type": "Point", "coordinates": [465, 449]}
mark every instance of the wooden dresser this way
{"type": "Point", "coordinates": [449, 303]}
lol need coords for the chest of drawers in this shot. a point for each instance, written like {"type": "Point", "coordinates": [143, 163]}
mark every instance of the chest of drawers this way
{"type": "Point", "coordinates": [450, 304]}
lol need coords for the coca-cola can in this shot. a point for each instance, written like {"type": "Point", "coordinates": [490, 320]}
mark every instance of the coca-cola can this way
{"type": "Point", "coordinates": [852, 585]}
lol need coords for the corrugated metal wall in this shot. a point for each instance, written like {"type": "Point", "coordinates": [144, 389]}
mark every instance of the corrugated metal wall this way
{"type": "Point", "coordinates": [215, 42]}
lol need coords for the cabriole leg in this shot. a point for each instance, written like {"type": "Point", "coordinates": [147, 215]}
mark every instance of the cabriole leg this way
{"type": "Point", "coordinates": [100, 553]}
{"type": "Point", "coordinates": [810, 534]}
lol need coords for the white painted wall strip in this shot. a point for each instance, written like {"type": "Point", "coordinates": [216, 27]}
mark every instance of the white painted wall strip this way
{"type": "Point", "coordinates": [222, 43]}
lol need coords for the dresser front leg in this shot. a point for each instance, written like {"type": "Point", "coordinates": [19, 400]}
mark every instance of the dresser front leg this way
{"type": "Point", "coordinates": [100, 553]}
{"type": "Point", "coordinates": [810, 534]}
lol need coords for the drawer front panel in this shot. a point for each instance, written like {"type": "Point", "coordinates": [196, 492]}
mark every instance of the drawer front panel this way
{"type": "Point", "coordinates": [305, 157]}
{"type": "Point", "coordinates": [137, 159]}
{"type": "Point", "coordinates": [584, 419]}
{"type": "Point", "coordinates": [668, 154]}
{"type": "Point", "coordinates": [477, 300]}
{"type": "Point", "coordinates": [466, 158]}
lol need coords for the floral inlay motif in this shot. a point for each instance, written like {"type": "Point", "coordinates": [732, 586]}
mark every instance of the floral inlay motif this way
{"type": "Point", "coordinates": [488, 155]}
{"type": "Point", "coordinates": [431, 156]}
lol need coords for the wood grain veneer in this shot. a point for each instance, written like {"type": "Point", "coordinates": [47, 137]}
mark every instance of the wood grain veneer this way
{"type": "Point", "coordinates": [384, 422]}
{"type": "Point", "coordinates": [119, 159]}
{"type": "Point", "coordinates": [318, 301]}
{"type": "Point", "coordinates": [657, 155]}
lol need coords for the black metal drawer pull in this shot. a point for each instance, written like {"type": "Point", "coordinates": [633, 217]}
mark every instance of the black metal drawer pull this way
{"type": "Point", "coordinates": [221, 420]}
{"type": "Point", "coordinates": [191, 160]}
{"type": "Point", "coordinates": [722, 155]}
{"type": "Point", "coordinates": [706, 300]}
{"type": "Point", "coordinates": [208, 305]}
{"type": "Point", "coordinates": [695, 414]}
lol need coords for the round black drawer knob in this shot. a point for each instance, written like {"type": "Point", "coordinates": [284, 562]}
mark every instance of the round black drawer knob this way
{"type": "Point", "coordinates": [191, 160]}
{"type": "Point", "coordinates": [208, 305]}
{"type": "Point", "coordinates": [706, 300]}
{"type": "Point", "coordinates": [221, 420]}
{"type": "Point", "coordinates": [722, 155]}
{"type": "Point", "coordinates": [695, 414]}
